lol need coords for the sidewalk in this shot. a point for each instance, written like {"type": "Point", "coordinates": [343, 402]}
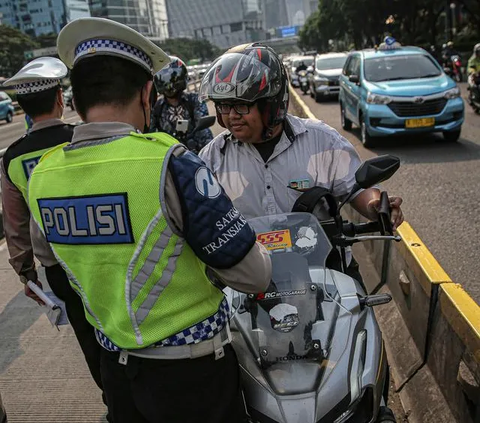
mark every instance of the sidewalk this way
{"type": "Point", "coordinates": [43, 376]}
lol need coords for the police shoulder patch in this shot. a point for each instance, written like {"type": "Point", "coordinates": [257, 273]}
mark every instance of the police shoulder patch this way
{"type": "Point", "coordinates": [87, 220]}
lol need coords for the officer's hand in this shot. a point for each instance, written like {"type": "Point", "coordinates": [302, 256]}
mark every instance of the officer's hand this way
{"type": "Point", "coordinates": [396, 215]}
{"type": "Point", "coordinates": [29, 293]}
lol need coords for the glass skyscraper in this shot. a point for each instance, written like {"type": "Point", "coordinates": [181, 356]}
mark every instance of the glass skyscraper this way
{"type": "Point", "coordinates": [36, 17]}
{"type": "Point", "coordinates": [224, 23]}
{"type": "Point", "coordinates": [149, 17]}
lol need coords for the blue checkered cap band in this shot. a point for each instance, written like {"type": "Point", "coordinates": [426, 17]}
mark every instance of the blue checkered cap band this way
{"type": "Point", "coordinates": [114, 47]}
{"type": "Point", "coordinates": [36, 87]}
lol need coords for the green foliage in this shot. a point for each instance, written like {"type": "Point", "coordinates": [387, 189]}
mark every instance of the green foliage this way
{"type": "Point", "coordinates": [188, 49]}
{"type": "Point", "coordinates": [13, 43]}
{"type": "Point", "coordinates": [364, 23]}
{"type": "Point", "coordinates": [47, 40]}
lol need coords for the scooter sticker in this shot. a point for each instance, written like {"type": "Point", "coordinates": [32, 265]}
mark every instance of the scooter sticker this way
{"type": "Point", "coordinates": [275, 240]}
{"type": "Point", "coordinates": [284, 317]}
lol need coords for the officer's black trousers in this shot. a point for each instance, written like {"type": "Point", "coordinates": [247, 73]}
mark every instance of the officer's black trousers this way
{"type": "Point", "coordinates": [201, 390]}
{"type": "Point", "coordinates": [58, 281]}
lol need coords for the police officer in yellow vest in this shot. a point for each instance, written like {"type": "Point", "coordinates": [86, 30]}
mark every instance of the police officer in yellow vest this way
{"type": "Point", "coordinates": [39, 94]}
{"type": "Point", "coordinates": [138, 223]}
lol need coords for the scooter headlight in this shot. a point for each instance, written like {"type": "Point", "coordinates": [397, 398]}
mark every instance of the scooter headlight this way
{"type": "Point", "coordinates": [453, 93]}
{"type": "Point", "coordinates": [378, 99]}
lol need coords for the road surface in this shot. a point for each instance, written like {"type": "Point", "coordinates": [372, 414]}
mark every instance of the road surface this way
{"type": "Point", "coordinates": [10, 132]}
{"type": "Point", "coordinates": [440, 185]}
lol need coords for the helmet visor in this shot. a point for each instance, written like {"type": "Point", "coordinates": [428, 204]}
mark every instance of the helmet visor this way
{"type": "Point", "coordinates": [243, 77]}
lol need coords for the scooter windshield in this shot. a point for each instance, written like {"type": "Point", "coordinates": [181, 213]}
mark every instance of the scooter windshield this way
{"type": "Point", "coordinates": [291, 326]}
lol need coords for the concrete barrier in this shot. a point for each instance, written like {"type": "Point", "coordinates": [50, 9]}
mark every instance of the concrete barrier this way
{"type": "Point", "coordinates": [431, 329]}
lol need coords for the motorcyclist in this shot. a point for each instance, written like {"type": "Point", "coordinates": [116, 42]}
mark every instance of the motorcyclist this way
{"type": "Point", "coordinates": [448, 50]}
{"type": "Point", "coordinates": [474, 65]}
{"type": "Point", "coordinates": [176, 104]}
{"type": "Point", "coordinates": [300, 67]}
{"type": "Point", "coordinates": [267, 157]}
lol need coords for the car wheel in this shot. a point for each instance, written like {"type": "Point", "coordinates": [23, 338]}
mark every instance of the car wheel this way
{"type": "Point", "coordinates": [367, 140]}
{"type": "Point", "coordinates": [9, 117]}
{"type": "Point", "coordinates": [452, 136]}
{"type": "Point", "coordinates": [346, 123]}
{"type": "Point", "coordinates": [318, 97]}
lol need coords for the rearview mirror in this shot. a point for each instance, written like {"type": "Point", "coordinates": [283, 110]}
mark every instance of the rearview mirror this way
{"type": "Point", "coordinates": [354, 78]}
{"type": "Point", "coordinates": [376, 170]}
{"type": "Point", "coordinates": [204, 123]}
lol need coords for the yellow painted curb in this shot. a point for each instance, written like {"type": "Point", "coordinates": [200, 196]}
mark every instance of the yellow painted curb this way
{"type": "Point", "coordinates": [463, 315]}
{"type": "Point", "coordinates": [420, 260]}
{"type": "Point", "coordinates": [301, 103]}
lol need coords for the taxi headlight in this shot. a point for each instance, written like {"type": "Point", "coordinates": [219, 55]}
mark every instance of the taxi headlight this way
{"type": "Point", "coordinates": [453, 93]}
{"type": "Point", "coordinates": [378, 99]}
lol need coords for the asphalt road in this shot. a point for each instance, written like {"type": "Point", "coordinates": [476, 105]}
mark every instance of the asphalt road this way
{"type": "Point", "coordinates": [440, 185]}
{"type": "Point", "coordinates": [10, 132]}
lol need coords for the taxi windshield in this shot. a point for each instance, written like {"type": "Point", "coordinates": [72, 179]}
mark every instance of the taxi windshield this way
{"type": "Point", "coordinates": [392, 68]}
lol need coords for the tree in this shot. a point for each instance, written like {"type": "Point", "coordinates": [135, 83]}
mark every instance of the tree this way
{"type": "Point", "coordinates": [47, 40]}
{"type": "Point", "coordinates": [13, 44]}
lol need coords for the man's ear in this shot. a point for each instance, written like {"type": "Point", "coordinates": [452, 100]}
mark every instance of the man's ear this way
{"type": "Point", "coordinates": [146, 92]}
{"type": "Point", "coordinates": [60, 98]}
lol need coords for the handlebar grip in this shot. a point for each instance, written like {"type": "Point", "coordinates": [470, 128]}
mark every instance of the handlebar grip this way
{"type": "Point", "coordinates": [384, 215]}
{"type": "Point", "coordinates": [366, 228]}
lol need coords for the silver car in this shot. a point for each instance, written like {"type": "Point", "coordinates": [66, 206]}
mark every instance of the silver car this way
{"type": "Point", "coordinates": [325, 75]}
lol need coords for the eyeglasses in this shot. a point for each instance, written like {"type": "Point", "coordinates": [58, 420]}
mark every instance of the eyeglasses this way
{"type": "Point", "coordinates": [240, 108]}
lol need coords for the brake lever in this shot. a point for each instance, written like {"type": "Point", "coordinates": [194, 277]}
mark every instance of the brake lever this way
{"type": "Point", "coordinates": [347, 241]}
{"type": "Point", "coordinates": [385, 215]}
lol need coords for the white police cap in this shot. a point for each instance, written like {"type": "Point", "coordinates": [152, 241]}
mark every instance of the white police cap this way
{"type": "Point", "coordinates": [39, 75]}
{"type": "Point", "coordinates": [86, 37]}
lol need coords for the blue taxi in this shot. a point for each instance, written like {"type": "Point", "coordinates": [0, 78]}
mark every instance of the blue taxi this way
{"type": "Point", "coordinates": [396, 90]}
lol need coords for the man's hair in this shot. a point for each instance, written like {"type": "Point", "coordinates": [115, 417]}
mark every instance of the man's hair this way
{"type": "Point", "coordinates": [37, 104]}
{"type": "Point", "coordinates": [106, 80]}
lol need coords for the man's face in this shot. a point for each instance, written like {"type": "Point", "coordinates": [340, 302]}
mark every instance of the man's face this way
{"type": "Point", "coordinates": [244, 127]}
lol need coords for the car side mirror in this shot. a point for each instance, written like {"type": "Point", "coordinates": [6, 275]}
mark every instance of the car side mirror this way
{"type": "Point", "coordinates": [354, 78]}
{"type": "Point", "coordinates": [376, 170]}
{"type": "Point", "coordinates": [310, 69]}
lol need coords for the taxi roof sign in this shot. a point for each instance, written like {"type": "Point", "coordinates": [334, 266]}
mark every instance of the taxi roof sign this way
{"type": "Point", "coordinates": [389, 43]}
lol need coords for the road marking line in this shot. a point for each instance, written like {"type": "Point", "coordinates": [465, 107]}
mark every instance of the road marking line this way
{"type": "Point", "coordinates": [302, 104]}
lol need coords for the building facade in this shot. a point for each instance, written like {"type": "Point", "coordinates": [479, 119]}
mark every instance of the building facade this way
{"type": "Point", "coordinates": [223, 23]}
{"type": "Point", "coordinates": [149, 17]}
{"type": "Point", "coordinates": [37, 17]}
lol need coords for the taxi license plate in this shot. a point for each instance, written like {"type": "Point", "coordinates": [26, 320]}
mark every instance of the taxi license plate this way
{"type": "Point", "coordinates": [419, 123]}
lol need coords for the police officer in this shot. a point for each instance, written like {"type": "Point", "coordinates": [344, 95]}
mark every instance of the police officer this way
{"type": "Point", "coordinates": [138, 223]}
{"type": "Point", "coordinates": [40, 96]}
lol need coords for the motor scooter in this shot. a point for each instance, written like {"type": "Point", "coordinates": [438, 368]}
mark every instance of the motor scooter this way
{"type": "Point", "coordinates": [454, 68]}
{"type": "Point", "coordinates": [474, 94]}
{"type": "Point", "coordinates": [303, 81]}
{"type": "Point", "coordinates": [310, 349]}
